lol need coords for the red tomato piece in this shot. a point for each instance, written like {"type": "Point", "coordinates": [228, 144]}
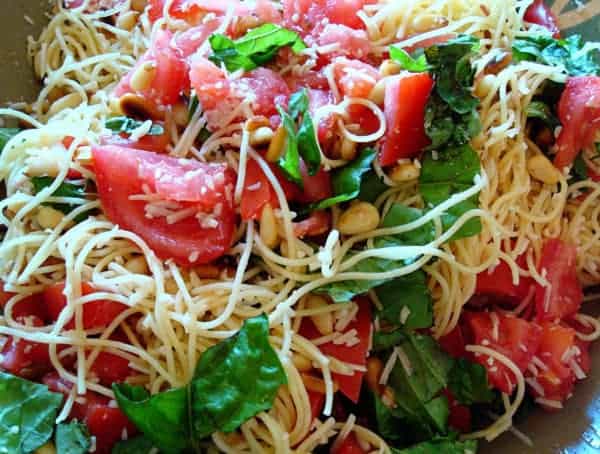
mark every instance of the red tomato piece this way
{"type": "Point", "coordinates": [122, 173]}
{"type": "Point", "coordinates": [157, 143]}
{"type": "Point", "coordinates": [453, 343]}
{"type": "Point", "coordinates": [365, 118]}
{"type": "Point", "coordinates": [307, 15]}
{"type": "Point", "coordinates": [498, 284]}
{"type": "Point", "coordinates": [257, 193]}
{"type": "Point", "coordinates": [188, 41]}
{"type": "Point", "coordinates": [539, 13]}
{"type": "Point", "coordinates": [268, 88]}
{"type": "Point", "coordinates": [349, 385]}
{"type": "Point", "coordinates": [579, 114]}
{"type": "Point", "coordinates": [515, 338]}
{"type": "Point", "coordinates": [209, 81]}
{"type": "Point", "coordinates": [193, 11]}
{"type": "Point", "coordinates": [459, 418]}
{"type": "Point", "coordinates": [96, 314]}
{"type": "Point", "coordinates": [318, 223]}
{"type": "Point", "coordinates": [315, 187]}
{"type": "Point", "coordinates": [405, 100]}
{"type": "Point", "coordinates": [111, 368]}
{"type": "Point", "coordinates": [354, 78]}
{"type": "Point", "coordinates": [564, 296]}
{"type": "Point", "coordinates": [317, 402]}
{"type": "Point", "coordinates": [353, 43]}
{"type": "Point", "coordinates": [349, 445]}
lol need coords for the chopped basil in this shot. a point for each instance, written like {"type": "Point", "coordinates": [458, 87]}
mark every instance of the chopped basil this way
{"type": "Point", "coordinates": [541, 111]}
{"type": "Point", "coordinates": [127, 125]}
{"type": "Point", "coordinates": [256, 48]}
{"type": "Point", "coordinates": [570, 53]}
{"type": "Point", "coordinates": [27, 414]}
{"type": "Point", "coordinates": [65, 189]}
{"type": "Point", "coordinates": [407, 62]}
{"type": "Point", "coordinates": [137, 445]}
{"type": "Point", "coordinates": [469, 384]}
{"type": "Point", "coordinates": [289, 162]}
{"type": "Point", "coordinates": [72, 438]}
{"type": "Point", "coordinates": [580, 170]}
{"type": "Point", "coordinates": [5, 135]}
{"type": "Point", "coordinates": [371, 187]}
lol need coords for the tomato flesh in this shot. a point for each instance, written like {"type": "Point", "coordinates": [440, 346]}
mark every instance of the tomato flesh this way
{"type": "Point", "coordinates": [355, 78]}
{"type": "Point", "coordinates": [157, 143]}
{"type": "Point", "coordinates": [539, 13]}
{"type": "Point", "coordinates": [498, 284]}
{"type": "Point", "coordinates": [349, 445]}
{"type": "Point", "coordinates": [564, 296]}
{"type": "Point", "coordinates": [405, 101]}
{"type": "Point", "coordinates": [110, 368]}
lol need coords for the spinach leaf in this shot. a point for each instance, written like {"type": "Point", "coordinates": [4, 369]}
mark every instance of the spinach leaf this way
{"type": "Point", "coordinates": [541, 111]}
{"type": "Point", "coordinates": [5, 135]}
{"type": "Point", "coordinates": [127, 125]}
{"type": "Point", "coordinates": [137, 445]}
{"type": "Point", "coordinates": [385, 340]}
{"type": "Point", "coordinates": [163, 418]}
{"type": "Point", "coordinates": [407, 62]}
{"type": "Point", "coordinates": [347, 182]}
{"type": "Point", "coordinates": [27, 414]}
{"type": "Point", "coordinates": [406, 301]}
{"type": "Point", "coordinates": [446, 128]}
{"type": "Point", "coordinates": [256, 48]}
{"type": "Point", "coordinates": [72, 438]}
{"type": "Point", "coordinates": [444, 174]}
{"type": "Point", "coordinates": [441, 446]}
{"type": "Point", "coordinates": [64, 190]}
{"type": "Point", "coordinates": [289, 162]}
{"type": "Point", "coordinates": [371, 187]}
{"type": "Point", "coordinates": [469, 384]}
{"type": "Point", "coordinates": [580, 170]}
{"type": "Point", "coordinates": [569, 53]}
{"type": "Point", "coordinates": [400, 215]}
{"type": "Point", "coordinates": [235, 380]}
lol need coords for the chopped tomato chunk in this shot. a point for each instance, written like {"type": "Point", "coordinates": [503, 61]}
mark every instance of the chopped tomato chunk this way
{"type": "Point", "coordinates": [209, 81]}
{"type": "Point", "coordinates": [539, 13]}
{"type": "Point", "coordinates": [318, 223]}
{"type": "Point", "coordinates": [563, 297]}
{"type": "Point", "coordinates": [257, 193]}
{"type": "Point", "coordinates": [498, 285]}
{"type": "Point", "coordinates": [405, 100]}
{"type": "Point", "coordinates": [354, 78]}
{"type": "Point", "coordinates": [268, 90]}
{"type": "Point", "coordinates": [155, 142]}
{"type": "Point", "coordinates": [110, 368]}
{"type": "Point", "coordinates": [194, 11]}
{"type": "Point", "coordinates": [317, 401]}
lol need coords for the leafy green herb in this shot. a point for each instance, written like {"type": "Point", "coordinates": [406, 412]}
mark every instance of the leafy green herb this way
{"type": "Point", "coordinates": [447, 173]}
{"type": "Point", "coordinates": [258, 47]}
{"type": "Point", "coordinates": [385, 340]}
{"type": "Point", "coordinates": [570, 53]}
{"type": "Point", "coordinates": [371, 187]}
{"type": "Point", "coordinates": [193, 105]}
{"type": "Point", "coordinates": [64, 190]}
{"type": "Point", "coordinates": [137, 445]}
{"type": "Point", "coordinates": [347, 182]}
{"type": "Point", "coordinates": [289, 162]}
{"type": "Point", "coordinates": [234, 380]}
{"type": "Point", "coordinates": [406, 301]}
{"type": "Point", "coordinates": [27, 414]}
{"type": "Point", "coordinates": [580, 170]}
{"type": "Point", "coordinates": [127, 125]}
{"type": "Point", "coordinates": [441, 446]}
{"type": "Point", "coordinates": [400, 215]}
{"type": "Point", "coordinates": [407, 62]}
{"type": "Point", "coordinates": [446, 128]}
{"type": "Point", "coordinates": [5, 135]}
{"type": "Point", "coordinates": [72, 438]}
{"type": "Point", "coordinates": [469, 384]}
{"type": "Point", "coordinates": [540, 110]}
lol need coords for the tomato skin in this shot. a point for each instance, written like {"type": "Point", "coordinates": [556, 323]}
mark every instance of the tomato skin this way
{"type": "Point", "coordinates": [459, 418]}
{"type": "Point", "coordinates": [318, 223]}
{"type": "Point", "coordinates": [539, 13]}
{"type": "Point", "coordinates": [564, 296]}
{"type": "Point", "coordinates": [316, 187]}
{"type": "Point", "coordinates": [454, 343]}
{"type": "Point", "coordinates": [579, 114]}
{"type": "Point", "coordinates": [498, 284]}
{"type": "Point", "coordinates": [317, 402]}
{"type": "Point", "coordinates": [116, 171]}
{"type": "Point", "coordinates": [111, 368]}
{"type": "Point", "coordinates": [405, 101]}
{"type": "Point", "coordinates": [349, 445]}
{"type": "Point", "coordinates": [349, 385]}
{"type": "Point", "coordinates": [96, 314]}
{"type": "Point", "coordinates": [257, 192]}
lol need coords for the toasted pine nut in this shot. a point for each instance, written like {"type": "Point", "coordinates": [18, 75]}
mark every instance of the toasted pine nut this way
{"type": "Point", "coordinates": [138, 5]}
{"type": "Point", "coordinates": [405, 171]}
{"type": "Point", "coordinates": [208, 271]}
{"type": "Point", "coordinates": [315, 384]}
{"type": "Point", "coordinates": [180, 114]}
{"type": "Point", "coordinates": [127, 20]}
{"type": "Point", "coordinates": [277, 145]}
{"type": "Point", "coordinates": [377, 94]}
{"type": "Point", "coordinates": [374, 368]}
{"type": "Point", "coordinates": [324, 321]}
{"type": "Point", "coordinates": [360, 218]}
{"type": "Point", "coordinates": [48, 217]}
{"type": "Point", "coordinates": [48, 448]}
{"type": "Point", "coordinates": [540, 168]}
{"type": "Point", "coordinates": [268, 227]}
{"type": "Point", "coordinates": [137, 106]}
{"type": "Point", "coordinates": [261, 136]}
{"type": "Point", "coordinates": [302, 363]}
{"type": "Point", "coordinates": [55, 94]}
{"type": "Point", "coordinates": [142, 77]}
{"type": "Point", "coordinates": [66, 102]}
{"type": "Point", "coordinates": [245, 23]}
{"type": "Point", "coordinates": [171, 286]}
{"type": "Point", "coordinates": [485, 85]}
{"type": "Point", "coordinates": [389, 68]}
{"type": "Point", "coordinates": [115, 106]}
{"type": "Point", "coordinates": [498, 63]}
{"type": "Point", "coordinates": [348, 149]}
{"type": "Point", "coordinates": [256, 122]}
{"type": "Point", "coordinates": [137, 265]}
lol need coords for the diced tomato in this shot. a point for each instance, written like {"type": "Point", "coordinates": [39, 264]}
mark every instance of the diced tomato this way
{"type": "Point", "coordinates": [311, 80]}
{"type": "Point", "coordinates": [352, 43]}
{"type": "Point", "coordinates": [193, 11]}
{"type": "Point", "coordinates": [170, 78]}
{"type": "Point", "coordinates": [157, 142]}
{"type": "Point", "coordinates": [405, 100]}
{"type": "Point", "coordinates": [317, 401]}
{"type": "Point", "coordinates": [110, 368]}
{"type": "Point", "coordinates": [349, 445]}
{"type": "Point", "coordinates": [307, 15]}
{"type": "Point", "coordinates": [579, 114]}
{"type": "Point", "coordinates": [318, 223]}
{"type": "Point", "coordinates": [539, 13]}
{"type": "Point", "coordinates": [498, 284]}
{"type": "Point", "coordinates": [209, 81]}
{"type": "Point", "coordinates": [96, 314]}
{"type": "Point", "coordinates": [30, 305]}
{"type": "Point", "coordinates": [459, 418]}
{"type": "Point", "coordinates": [188, 41]}
{"type": "Point", "coordinates": [268, 90]}
{"type": "Point", "coordinates": [515, 338]}
{"type": "Point", "coordinates": [315, 187]}
{"type": "Point", "coordinates": [121, 173]}
{"type": "Point", "coordinates": [349, 385]}
{"type": "Point", "coordinates": [257, 192]}
{"type": "Point", "coordinates": [563, 297]}
{"type": "Point", "coordinates": [453, 343]}
{"type": "Point", "coordinates": [354, 78]}
{"type": "Point", "coordinates": [365, 118]}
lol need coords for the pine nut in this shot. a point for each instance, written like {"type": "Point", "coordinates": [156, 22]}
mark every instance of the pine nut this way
{"type": "Point", "coordinates": [361, 217]}
{"type": "Point", "coordinates": [377, 94]}
{"type": "Point", "coordinates": [348, 149]}
{"type": "Point", "coordinates": [46, 163]}
{"type": "Point", "coordinates": [127, 20]}
{"type": "Point", "coordinates": [137, 265]}
{"type": "Point", "coordinates": [66, 102]}
{"type": "Point", "coordinates": [114, 105]}
{"type": "Point", "coordinates": [256, 122]}
{"type": "Point", "coordinates": [171, 286]}
{"type": "Point", "coordinates": [302, 363]}
{"type": "Point", "coordinates": [540, 168]}
{"type": "Point", "coordinates": [405, 171]}
{"type": "Point", "coordinates": [137, 106]}
{"type": "Point", "coordinates": [268, 227]}
{"type": "Point", "coordinates": [277, 145]}
{"type": "Point", "coordinates": [485, 85]}
{"type": "Point", "coordinates": [48, 217]}
{"type": "Point", "coordinates": [142, 77]}
{"type": "Point", "coordinates": [324, 321]}
{"type": "Point", "coordinates": [48, 448]}
{"type": "Point", "coordinates": [374, 368]}
{"type": "Point", "coordinates": [315, 384]}
{"type": "Point", "coordinates": [498, 63]}
{"type": "Point", "coordinates": [138, 5]}
{"type": "Point", "coordinates": [261, 136]}
{"type": "Point", "coordinates": [389, 68]}
{"type": "Point", "coordinates": [180, 114]}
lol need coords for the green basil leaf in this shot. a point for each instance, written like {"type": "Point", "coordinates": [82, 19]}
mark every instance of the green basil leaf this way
{"type": "Point", "coordinates": [469, 384]}
{"type": "Point", "coordinates": [298, 104]}
{"type": "Point", "coordinates": [258, 47]}
{"type": "Point", "coordinates": [347, 181]}
{"type": "Point", "coordinates": [580, 170]}
{"type": "Point", "coordinates": [235, 380]}
{"type": "Point", "coordinates": [447, 128]}
{"type": "Point", "coordinates": [385, 340]}
{"type": "Point", "coordinates": [569, 53]}
{"type": "Point", "coordinates": [371, 187]}
{"type": "Point", "coordinates": [127, 125]}
{"type": "Point", "coordinates": [27, 414]}
{"type": "Point", "coordinates": [308, 145]}
{"type": "Point", "coordinates": [72, 438]}
{"type": "Point", "coordinates": [441, 446]}
{"type": "Point", "coordinates": [163, 418]}
{"type": "Point", "coordinates": [400, 215]}
{"type": "Point", "coordinates": [540, 110]}
{"type": "Point", "coordinates": [414, 65]}
{"type": "Point", "coordinates": [64, 190]}
{"type": "Point", "coordinates": [5, 135]}
{"type": "Point", "coordinates": [406, 301]}
{"type": "Point", "coordinates": [289, 162]}
{"type": "Point", "coordinates": [137, 445]}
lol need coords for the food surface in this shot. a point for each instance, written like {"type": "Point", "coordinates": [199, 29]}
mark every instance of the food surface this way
{"type": "Point", "coordinates": [333, 226]}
